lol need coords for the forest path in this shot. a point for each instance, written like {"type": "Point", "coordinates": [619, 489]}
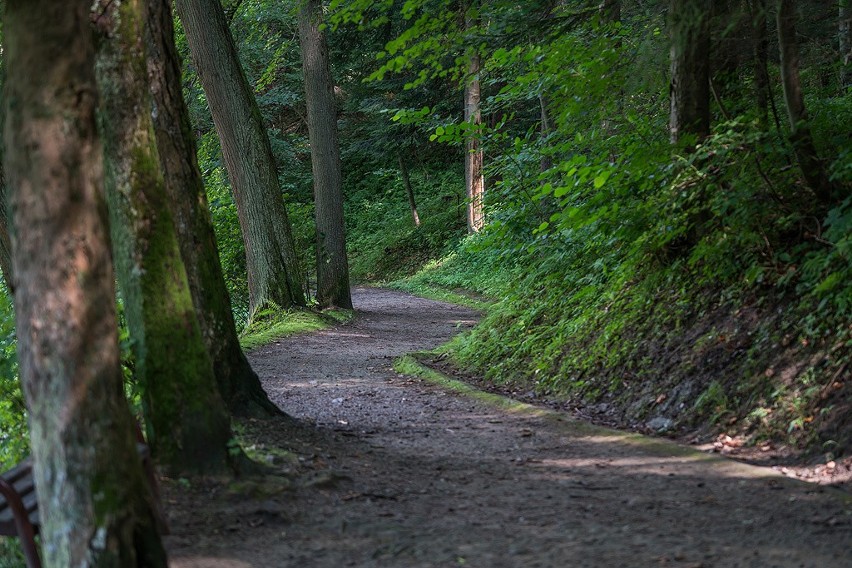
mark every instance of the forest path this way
{"type": "Point", "coordinates": [403, 473]}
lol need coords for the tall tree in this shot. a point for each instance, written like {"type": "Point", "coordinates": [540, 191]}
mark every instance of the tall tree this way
{"type": "Point", "coordinates": [474, 157]}
{"type": "Point", "coordinates": [332, 265]}
{"type": "Point", "coordinates": [810, 163]}
{"type": "Point", "coordinates": [187, 422]}
{"type": "Point", "coordinates": [689, 96]}
{"type": "Point", "coordinates": [238, 383]}
{"type": "Point", "coordinates": [273, 272]}
{"type": "Point", "coordinates": [94, 505]}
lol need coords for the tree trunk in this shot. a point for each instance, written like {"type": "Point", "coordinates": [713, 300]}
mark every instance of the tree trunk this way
{"type": "Point", "coordinates": [473, 163]}
{"type": "Point", "coordinates": [332, 265]}
{"type": "Point", "coordinates": [273, 268]}
{"type": "Point", "coordinates": [94, 504]}
{"type": "Point", "coordinates": [803, 143]}
{"type": "Point", "coordinates": [690, 69]}
{"type": "Point", "coordinates": [409, 191]}
{"type": "Point", "coordinates": [238, 383]}
{"type": "Point", "coordinates": [610, 11]}
{"type": "Point", "coordinates": [545, 128]}
{"type": "Point", "coordinates": [188, 425]}
{"type": "Point", "coordinates": [845, 44]}
{"type": "Point", "coordinates": [760, 42]}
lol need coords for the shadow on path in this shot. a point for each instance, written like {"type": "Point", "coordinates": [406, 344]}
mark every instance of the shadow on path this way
{"type": "Point", "coordinates": [411, 475]}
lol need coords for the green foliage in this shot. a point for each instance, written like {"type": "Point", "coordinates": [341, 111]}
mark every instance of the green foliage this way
{"type": "Point", "coordinates": [614, 260]}
{"type": "Point", "coordinates": [14, 435]}
{"type": "Point", "coordinates": [383, 241]}
{"type": "Point", "coordinates": [11, 555]}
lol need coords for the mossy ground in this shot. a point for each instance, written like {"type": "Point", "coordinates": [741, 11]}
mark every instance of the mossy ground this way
{"type": "Point", "coordinates": [272, 323]}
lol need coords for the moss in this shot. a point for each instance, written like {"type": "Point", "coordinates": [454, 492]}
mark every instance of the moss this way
{"type": "Point", "coordinates": [271, 323]}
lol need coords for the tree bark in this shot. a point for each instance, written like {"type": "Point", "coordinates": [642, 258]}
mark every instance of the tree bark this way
{"type": "Point", "coordinates": [238, 384]}
{"type": "Point", "coordinates": [187, 423]}
{"type": "Point", "coordinates": [690, 69]}
{"type": "Point", "coordinates": [473, 163]}
{"type": "Point", "coordinates": [409, 191]}
{"type": "Point", "coordinates": [845, 44]}
{"type": "Point", "coordinates": [803, 144]}
{"type": "Point", "coordinates": [94, 504]}
{"type": "Point", "coordinates": [273, 268]}
{"type": "Point", "coordinates": [332, 265]}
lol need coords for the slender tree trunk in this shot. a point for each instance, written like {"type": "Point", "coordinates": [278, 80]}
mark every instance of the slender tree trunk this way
{"type": "Point", "coordinates": [803, 143]}
{"type": "Point", "coordinates": [546, 128]}
{"type": "Point", "coordinates": [273, 267]}
{"type": "Point", "coordinates": [94, 504]}
{"type": "Point", "coordinates": [690, 69]}
{"type": "Point", "coordinates": [188, 425]}
{"type": "Point", "coordinates": [610, 10]}
{"type": "Point", "coordinates": [238, 383]}
{"type": "Point", "coordinates": [409, 191]}
{"type": "Point", "coordinates": [332, 265]}
{"type": "Point", "coordinates": [760, 42]}
{"type": "Point", "coordinates": [473, 164]}
{"type": "Point", "coordinates": [845, 44]}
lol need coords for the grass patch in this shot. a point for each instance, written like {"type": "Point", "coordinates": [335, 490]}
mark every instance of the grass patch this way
{"type": "Point", "coordinates": [408, 365]}
{"type": "Point", "coordinates": [271, 324]}
{"type": "Point", "coordinates": [436, 292]}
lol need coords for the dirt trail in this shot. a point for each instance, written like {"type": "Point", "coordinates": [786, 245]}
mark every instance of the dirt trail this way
{"type": "Point", "coordinates": [399, 472]}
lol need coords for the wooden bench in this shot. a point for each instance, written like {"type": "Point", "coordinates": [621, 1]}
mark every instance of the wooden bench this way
{"type": "Point", "coordinates": [19, 506]}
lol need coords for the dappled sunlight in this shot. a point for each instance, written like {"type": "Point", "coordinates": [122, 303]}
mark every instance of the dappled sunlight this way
{"type": "Point", "coordinates": [344, 333]}
{"type": "Point", "coordinates": [208, 562]}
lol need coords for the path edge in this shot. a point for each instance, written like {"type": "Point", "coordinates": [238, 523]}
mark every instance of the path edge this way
{"type": "Point", "coordinates": [409, 365]}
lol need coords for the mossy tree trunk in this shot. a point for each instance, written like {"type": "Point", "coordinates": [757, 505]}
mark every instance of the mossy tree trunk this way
{"type": "Point", "coordinates": [332, 265]}
{"type": "Point", "coordinates": [273, 268]}
{"type": "Point", "coordinates": [94, 504]}
{"type": "Point", "coordinates": [238, 384]}
{"type": "Point", "coordinates": [689, 96]}
{"type": "Point", "coordinates": [187, 422]}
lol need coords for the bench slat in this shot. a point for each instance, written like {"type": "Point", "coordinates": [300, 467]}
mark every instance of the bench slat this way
{"type": "Point", "coordinates": [22, 469]}
{"type": "Point", "coordinates": [7, 519]}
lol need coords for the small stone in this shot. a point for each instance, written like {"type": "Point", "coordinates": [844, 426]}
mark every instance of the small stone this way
{"type": "Point", "coordinates": [660, 423]}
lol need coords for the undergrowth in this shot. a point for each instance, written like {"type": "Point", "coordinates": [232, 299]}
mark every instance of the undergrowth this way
{"type": "Point", "coordinates": [707, 297]}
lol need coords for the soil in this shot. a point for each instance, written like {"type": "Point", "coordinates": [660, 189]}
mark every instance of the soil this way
{"type": "Point", "coordinates": [379, 469]}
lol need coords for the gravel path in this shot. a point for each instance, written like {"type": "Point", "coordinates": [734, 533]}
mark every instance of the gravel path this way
{"type": "Point", "coordinates": [398, 472]}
